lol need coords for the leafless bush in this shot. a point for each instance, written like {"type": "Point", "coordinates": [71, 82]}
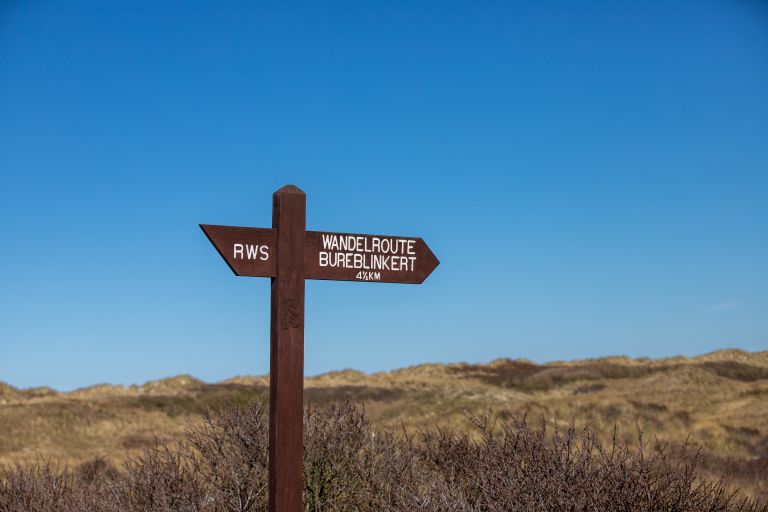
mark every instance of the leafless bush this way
{"type": "Point", "coordinates": [38, 488]}
{"type": "Point", "coordinates": [233, 444]}
{"type": "Point", "coordinates": [350, 466]}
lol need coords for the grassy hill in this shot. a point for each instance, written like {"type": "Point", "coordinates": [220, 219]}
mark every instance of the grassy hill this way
{"type": "Point", "coordinates": [720, 399]}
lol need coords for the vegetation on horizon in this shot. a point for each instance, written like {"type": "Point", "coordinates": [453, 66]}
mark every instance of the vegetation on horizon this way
{"type": "Point", "coordinates": [719, 399]}
{"type": "Point", "coordinates": [221, 465]}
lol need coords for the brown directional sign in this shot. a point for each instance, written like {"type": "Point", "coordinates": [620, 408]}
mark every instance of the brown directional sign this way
{"type": "Point", "coordinates": [289, 254]}
{"type": "Point", "coordinates": [375, 258]}
{"type": "Point", "coordinates": [333, 256]}
{"type": "Point", "coordinates": [247, 251]}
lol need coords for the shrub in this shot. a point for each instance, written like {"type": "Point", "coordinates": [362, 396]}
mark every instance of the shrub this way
{"type": "Point", "coordinates": [349, 466]}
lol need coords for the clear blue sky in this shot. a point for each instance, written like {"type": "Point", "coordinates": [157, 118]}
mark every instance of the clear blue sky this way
{"type": "Point", "coordinates": [592, 175]}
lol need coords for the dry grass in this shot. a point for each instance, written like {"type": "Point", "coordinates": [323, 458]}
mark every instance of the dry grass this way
{"type": "Point", "coordinates": [721, 399]}
{"type": "Point", "coordinates": [221, 465]}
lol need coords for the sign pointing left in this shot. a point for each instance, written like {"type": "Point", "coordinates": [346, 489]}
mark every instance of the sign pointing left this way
{"type": "Point", "coordinates": [247, 251]}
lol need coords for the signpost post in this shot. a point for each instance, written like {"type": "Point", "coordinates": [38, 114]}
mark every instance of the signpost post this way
{"type": "Point", "coordinates": [289, 254]}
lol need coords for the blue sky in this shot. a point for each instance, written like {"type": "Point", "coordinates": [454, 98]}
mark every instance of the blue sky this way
{"type": "Point", "coordinates": [592, 175]}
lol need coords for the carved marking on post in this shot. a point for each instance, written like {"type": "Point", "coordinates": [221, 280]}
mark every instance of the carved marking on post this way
{"type": "Point", "coordinates": [293, 317]}
{"type": "Point", "coordinates": [289, 254]}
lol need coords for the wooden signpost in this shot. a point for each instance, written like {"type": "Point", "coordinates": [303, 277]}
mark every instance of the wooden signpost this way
{"type": "Point", "coordinates": [289, 254]}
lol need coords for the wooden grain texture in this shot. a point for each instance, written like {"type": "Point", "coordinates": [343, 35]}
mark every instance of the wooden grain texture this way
{"type": "Point", "coordinates": [286, 379]}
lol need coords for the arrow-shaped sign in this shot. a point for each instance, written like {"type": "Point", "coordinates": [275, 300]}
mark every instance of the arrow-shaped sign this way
{"type": "Point", "coordinates": [376, 258]}
{"type": "Point", "coordinates": [247, 251]}
{"type": "Point", "coordinates": [334, 256]}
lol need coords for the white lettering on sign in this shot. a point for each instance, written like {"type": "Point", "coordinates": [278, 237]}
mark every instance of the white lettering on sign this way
{"type": "Point", "coordinates": [368, 276]}
{"type": "Point", "coordinates": [250, 252]}
{"type": "Point", "coordinates": [368, 254]}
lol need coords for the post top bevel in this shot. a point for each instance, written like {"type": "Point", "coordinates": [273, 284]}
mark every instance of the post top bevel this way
{"type": "Point", "coordinates": [289, 189]}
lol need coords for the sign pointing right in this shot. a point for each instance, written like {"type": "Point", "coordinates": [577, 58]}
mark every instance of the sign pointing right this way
{"type": "Point", "coordinates": [378, 258]}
